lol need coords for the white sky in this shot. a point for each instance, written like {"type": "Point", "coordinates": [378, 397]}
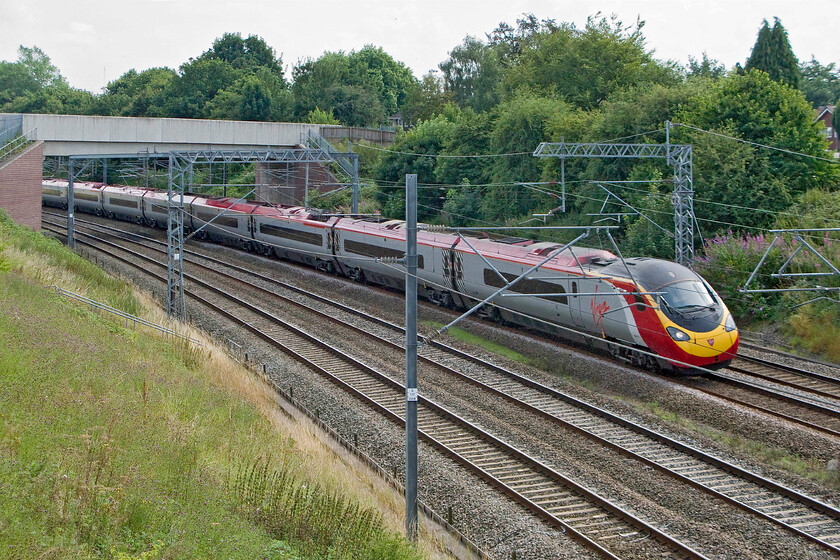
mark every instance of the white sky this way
{"type": "Point", "coordinates": [95, 41]}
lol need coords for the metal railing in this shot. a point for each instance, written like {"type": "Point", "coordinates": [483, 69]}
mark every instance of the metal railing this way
{"type": "Point", "coordinates": [127, 316]}
{"type": "Point", "coordinates": [17, 143]}
{"type": "Point", "coordinates": [315, 140]}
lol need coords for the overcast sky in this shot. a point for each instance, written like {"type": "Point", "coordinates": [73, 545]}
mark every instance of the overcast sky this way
{"type": "Point", "coordinates": [95, 41]}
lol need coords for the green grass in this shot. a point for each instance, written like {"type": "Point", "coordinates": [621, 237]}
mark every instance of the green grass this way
{"type": "Point", "coordinates": [780, 458]}
{"type": "Point", "coordinates": [117, 444]}
{"type": "Point", "coordinates": [489, 345]}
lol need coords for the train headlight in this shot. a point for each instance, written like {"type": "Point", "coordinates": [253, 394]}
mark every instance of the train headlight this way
{"type": "Point", "coordinates": [677, 334]}
{"type": "Point", "coordinates": [730, 323]}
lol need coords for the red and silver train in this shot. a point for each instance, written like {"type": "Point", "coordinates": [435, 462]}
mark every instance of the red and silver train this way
{"type": "Point", "coordinates": [678, 317]}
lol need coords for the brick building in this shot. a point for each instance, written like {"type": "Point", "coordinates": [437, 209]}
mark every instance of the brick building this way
{"type": "Point", "coordinates": [824, 114]}
{"type": "Point", "coordinates": [20, 186]}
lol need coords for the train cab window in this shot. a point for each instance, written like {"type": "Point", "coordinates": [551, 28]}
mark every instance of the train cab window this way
{"type": "Point", "coordinates": [640, 300]}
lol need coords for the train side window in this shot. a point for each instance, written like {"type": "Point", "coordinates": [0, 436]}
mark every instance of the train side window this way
{"type": "Point", "coordinates": [574, 288]}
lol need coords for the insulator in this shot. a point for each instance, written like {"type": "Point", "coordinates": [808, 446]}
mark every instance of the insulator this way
{"type": "Point", "coordinates": [390, 260]}
{"type": "Point", "coordinates": [432, 228]}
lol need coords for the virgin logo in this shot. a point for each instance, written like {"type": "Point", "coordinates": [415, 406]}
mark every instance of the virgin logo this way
{"type": "Point", "coordinates": [711, 341]}
{"type": "Point", "coordinates": [598, 310]}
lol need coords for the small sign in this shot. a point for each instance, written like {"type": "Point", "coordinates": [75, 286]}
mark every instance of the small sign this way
{"type": "Point", "coordinates": [411, 394]}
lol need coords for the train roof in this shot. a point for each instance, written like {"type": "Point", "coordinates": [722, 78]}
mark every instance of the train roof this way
{"type": "Point", "coordinates": [651, 274]}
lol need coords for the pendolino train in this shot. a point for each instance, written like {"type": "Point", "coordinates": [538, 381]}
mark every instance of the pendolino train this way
{"type": "Point", "coordinates": [678, 316]}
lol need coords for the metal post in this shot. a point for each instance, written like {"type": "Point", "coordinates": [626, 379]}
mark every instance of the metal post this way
{"type": "Point", "coordinates": [306, 189]}
{"type": "Point", "coordinates": [71, 204]}
{"type": "Point", "coordinates": [105, 170]}
{"type": "Point", "coordinates": [175, 239]}
{"type": "Point", "coordinates": [563, 180]}
{"type": "Point", "coordinates": [411, 357]}
{"type": "Point", "coordinates": [354, 201]}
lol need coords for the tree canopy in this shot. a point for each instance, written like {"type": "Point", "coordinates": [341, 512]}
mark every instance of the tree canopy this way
{"type": "Point", "coordinates": [772, 54]}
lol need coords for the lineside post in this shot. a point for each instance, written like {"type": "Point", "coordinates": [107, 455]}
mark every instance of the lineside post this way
{"type": "Point", "coordinates": [71, 204]}
{"type": "Point", "coordinates": [411, 356]}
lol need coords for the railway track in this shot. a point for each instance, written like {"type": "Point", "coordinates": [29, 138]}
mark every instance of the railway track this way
{"type": "Point", "coordinates": [556, 499]}
{"type": "Point", "coordinates": [809, 382]}
{"type": "Point", "coordinates": [816, 413]}
{"type": "Point", "coordinates": [800, 514]}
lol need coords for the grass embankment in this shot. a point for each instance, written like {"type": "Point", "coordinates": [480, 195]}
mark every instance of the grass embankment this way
{"type": "Point", "coordinates": [119, 444]}
{"type": "Point", "coordinates": [489, 345]}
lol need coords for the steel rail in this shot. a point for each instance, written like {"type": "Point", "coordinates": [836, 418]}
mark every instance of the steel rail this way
{"type": "Point", "coordinates": [509, 489]}
{"type": "Point", "coordinates": [622, 448]}
{"type": "Point", "coordinates": [723, 379]}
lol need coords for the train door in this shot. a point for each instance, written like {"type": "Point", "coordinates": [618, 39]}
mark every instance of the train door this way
{"type": "Point", "coordinates": [453, 274]}
{"type": "Point", "coordinates": [575, 302]}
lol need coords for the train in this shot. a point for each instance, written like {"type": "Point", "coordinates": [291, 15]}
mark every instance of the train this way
{"type": "Point", "coordinates": [649, 312]}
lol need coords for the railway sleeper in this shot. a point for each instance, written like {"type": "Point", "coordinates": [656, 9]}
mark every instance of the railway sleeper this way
{"type": "Point", "coordinates": [524, 482]}
{"type": "Point", "coordinates": [545, 489]}
{"type": "Point", "coordinates": [562, 498]}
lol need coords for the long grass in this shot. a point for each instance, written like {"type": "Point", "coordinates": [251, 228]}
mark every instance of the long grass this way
{"type": "Point", "coordinates": [116, 443]}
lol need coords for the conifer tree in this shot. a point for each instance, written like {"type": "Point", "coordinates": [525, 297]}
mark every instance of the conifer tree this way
{"type": "Point", "coordinates": [772, 54]}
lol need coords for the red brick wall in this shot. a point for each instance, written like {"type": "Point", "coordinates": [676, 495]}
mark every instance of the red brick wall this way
{"type": "Point", "coordinates": [20, 186]}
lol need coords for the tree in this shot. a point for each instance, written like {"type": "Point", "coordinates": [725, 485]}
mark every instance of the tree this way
{"type": "Point", "coordinates": [757, 109]}
{"type": "Point", "coordinates": [34, 85]}
{"type": "Point", "coordinates": [198, 83]}
{"type": "Point", "coordinates": [256, 103]}
{"type": "Point", "coordinates": [414, 152]}
{"type": "Point", "coordinates": [519, 128]}
{"type": "Point", "coordinates": [471, 75]}
{"type": "Point", "coordinates": [586, 66]}
{"type": "Point", "coordinates": [136, 94]}
{"type": "Point", "coordinates": [319, 116]}
{"type": "Point", "coordinates": [463, 204]}
{"type": "Point", "coordinates": [426, 99]}
{"type": "Point", "coordinates": [820, 84]}
{"type": "Point", "coordinates": [39, 66]}
{"type": "Point", "coordinates": [361, 88]}
{"type": "Point", "coordinates": [705, 68]}
{"type": "Point", "coordinates": [508, 42]}
{"type": "Point", "coordinates": [835, 117]}
{"type": "Point", "coordinates": [470, 137]}
{"type": "Point", "coordinates": [245, 54]}
{"type": "Point", "coordinates": [772, 54]}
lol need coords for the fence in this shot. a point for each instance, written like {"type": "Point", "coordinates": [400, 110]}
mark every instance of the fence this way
{"type": "Point", "coordinates": [18, 142]}
{"type": "Point", "coordinates": [127, 316]}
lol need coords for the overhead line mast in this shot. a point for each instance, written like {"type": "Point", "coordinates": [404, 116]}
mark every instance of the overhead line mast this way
{"type": "Point", "coordinates": [679, 156]}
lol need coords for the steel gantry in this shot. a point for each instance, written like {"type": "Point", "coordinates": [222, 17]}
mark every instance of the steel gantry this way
{"type": "Point", "coordinates": [181, 167]}
{"type": "Point", "coordinates": [677, 155]}
{"type": "Point", "coordinates": [799, 236]}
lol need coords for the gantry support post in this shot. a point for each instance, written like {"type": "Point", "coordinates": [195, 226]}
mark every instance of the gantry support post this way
{"type": "Point", "coordinates": [175, 238]}
{"type": "Point", "coordinates": [411, 357]}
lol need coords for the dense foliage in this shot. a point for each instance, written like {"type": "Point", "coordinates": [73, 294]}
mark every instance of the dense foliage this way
{"type": "Point", "coordinates": [474, 124]}
{"type": "Point", "coordinates": [476, 121]}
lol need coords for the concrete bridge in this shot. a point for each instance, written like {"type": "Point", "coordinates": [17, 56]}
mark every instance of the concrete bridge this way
{"type": "Point", "coordinates": [65, 135]}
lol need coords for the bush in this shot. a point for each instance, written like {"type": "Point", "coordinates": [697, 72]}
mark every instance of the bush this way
{"type": "Point", "coordinates": [727, 264]}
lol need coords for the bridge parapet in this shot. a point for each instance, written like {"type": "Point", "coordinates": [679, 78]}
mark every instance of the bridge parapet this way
{"type": "Point", "coordinates": [65, 135]}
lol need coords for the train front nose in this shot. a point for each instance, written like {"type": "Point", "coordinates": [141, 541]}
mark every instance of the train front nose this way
{"type": "Point", "coordinates": [719, 346]}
